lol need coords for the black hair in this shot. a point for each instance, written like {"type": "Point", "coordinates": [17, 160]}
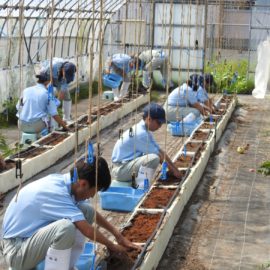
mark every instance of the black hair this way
{"type": "Point", "coordinates": [88, 172]}
{"type": "Point", "coordinates": [41, 79]}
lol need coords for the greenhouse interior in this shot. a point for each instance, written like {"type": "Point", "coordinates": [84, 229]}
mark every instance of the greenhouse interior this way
{"type": "Point", "coordinates": [134, 134]}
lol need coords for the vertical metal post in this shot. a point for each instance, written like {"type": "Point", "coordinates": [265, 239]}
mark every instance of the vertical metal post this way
{"type": "Point", "coordinates": [249, 43]}
{"type": "Point", "coordinates": [205, 35]}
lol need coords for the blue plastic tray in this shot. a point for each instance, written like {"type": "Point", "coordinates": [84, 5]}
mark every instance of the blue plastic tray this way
{"type": "Point", "coordinates": [182, 129]}
{"type": "Point", "coordinates": [120, 198]}
{"type": "Point", "coordinates": [111, 80]}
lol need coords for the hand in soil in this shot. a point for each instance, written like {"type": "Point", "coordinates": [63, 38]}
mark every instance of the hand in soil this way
{"type": "Point", "coordinates": [121, 240]}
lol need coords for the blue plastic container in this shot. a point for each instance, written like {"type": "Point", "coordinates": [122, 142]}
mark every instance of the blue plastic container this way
{"type": "Point", "coordinates": [84, 262]}
{"type": "Point", "coordinates": [183, 129]}
{"type": "Point", "coordinates": [120, 198]}
{"type": "Point", "coordinates": [111, 80]}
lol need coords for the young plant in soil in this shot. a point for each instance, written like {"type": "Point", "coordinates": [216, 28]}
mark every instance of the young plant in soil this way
{"type": "Point", "coordinates": [30, 152]}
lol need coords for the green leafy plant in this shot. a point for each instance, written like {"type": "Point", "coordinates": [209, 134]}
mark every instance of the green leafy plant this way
{"type": "Point", "coordinates": [231, 76]}
{"type": "Point", "coordinates": [8, 116]}
{"type": "Point", "coordinates": [265, 168]}
{"type": "Point", "coordinates": [5, 150]}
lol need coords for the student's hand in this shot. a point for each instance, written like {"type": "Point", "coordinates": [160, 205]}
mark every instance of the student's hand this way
{"type": "Point", "coordinates": [121, 240]}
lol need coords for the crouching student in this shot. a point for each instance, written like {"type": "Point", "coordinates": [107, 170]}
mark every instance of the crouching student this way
{"type": "Point", "coordinates": [34, 107]}
{"type": "Point", "coordinates": [139, 148]}
{"type": "Point", "coordinates": [182, 101]}
{"type": "Point", "coordinates": [202, 85]}
{"type": "Point", "coordinates": [51, 218]}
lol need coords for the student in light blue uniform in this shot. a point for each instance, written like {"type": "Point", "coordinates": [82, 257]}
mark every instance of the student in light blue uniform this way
{"type": "Point", "coordinates": [182, 101]}
{"type": "Point", "coordinates": [51, 218]}
{"type": "Point", "coordinates": [201, 84]}
{"type": "Point", "coordinates": [34, 107]}
{"type": "Point", "coordinates": [63, 73]}
{"type": "Point", "coordinates": [122, 65]}
{"type": "Point", "coordinates": [140, 148]}
{"type": "Point", "coordinates": [152, 60]}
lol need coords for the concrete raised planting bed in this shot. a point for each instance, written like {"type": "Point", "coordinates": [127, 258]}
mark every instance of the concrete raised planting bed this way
{"type": "Point", "coordinates": [155, 242]}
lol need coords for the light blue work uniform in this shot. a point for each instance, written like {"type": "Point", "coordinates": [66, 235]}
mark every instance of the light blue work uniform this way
{"type": "Point", "coordinates": [119, 63]}
{"type": "Point", "coordinates": [130, 152]}
{"type": "Point", "coordinates": [58, 81]}
{"type": "Point", "coordinates": [202, 95]}
{"type": "Point", "coordinates": [42, 217]}
{"type": "Point", "coordinates": [34, 108]}
{"type": "Point", "coordinates": [180, 102]}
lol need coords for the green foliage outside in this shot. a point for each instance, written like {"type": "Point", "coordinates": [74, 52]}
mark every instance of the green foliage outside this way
{"type": "Point", "coordinates": [231, 76]}
{"type": "Point", "coordinates": [84, 91]}
{"type": "Point", "coordinates": [265, 168]}
{"type": "Point", "coordinates": [8, 116]}
{"type": "Point", "coordinates": [5, 150]}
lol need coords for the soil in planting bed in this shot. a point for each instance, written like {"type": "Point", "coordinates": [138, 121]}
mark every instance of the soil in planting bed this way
{"type": "Point", "coordinates": [226, 99]}
{"type": "Point", "coordinates": [183, 161]}
{"type": "Point", "coordinates": [194, 146]}
{"type": "Point", "coordinates": [200, 135]}
{"type": "Point", "coordinates": [71, 128]}
{"type": "Point", "coordinates": [143, 225]}
{"type": "Point", "coordinates": [207, 126]}
{"type": "Point", "coordinates": [84, 120]}
{"type": "Point", "coordinates": [105, 110]}
{"type": "Point", "coordinates": [171, 179]}
{"type": "Point", "coordinates": [158, 198]}
{"type": "Point", "coordinates": [30, 152]}
{"type": "Point", "coordinates": [123, 262]}
{"type": "Point", "coordinates": [53, 139]}
{"type": "Point", "coordinates": [6, 165]}
{"type": "Point", "coordinates": [197, 157]}
{"type": "Point", "coordinates": [220, 112]}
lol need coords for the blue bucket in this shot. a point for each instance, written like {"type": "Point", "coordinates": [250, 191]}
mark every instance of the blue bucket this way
{"type": "Point", "coordinates": [122, 199]}
{"type": "Point", "coordinates": [112, 80]}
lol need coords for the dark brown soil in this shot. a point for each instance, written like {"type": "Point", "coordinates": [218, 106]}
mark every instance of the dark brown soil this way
{"type": "Point", "coordinates": [200, 135]}
{"type": "Point", "coordinates": [143, 225]}
{"type": "Point", "coordinates": [192, 146]}
{"type": "Point", "coordinates": [207, 126]}
{"type": "Point", "coordinates": [226, 99]}
{"type": "Point", "coordinates": [6, 165]}
{"type": "Point", "coordinates": [71, 127]}
{"type": "Point", "coordinates": [171, 180]}
{"type": "Point", "coordinates": [53, 139]}
{"type": "Point", "coordinates": [122, 262]}
{"type": "Point", "coordinates": [30, 152]}
{"type": "Point", "coordinates": [107, 109]}
{"type": "Point", "coordinates": [158, 198]}
{"type": "Point", "coordinates": [220, 112]}
{"type": "Point", "coordinates": [183, 161]}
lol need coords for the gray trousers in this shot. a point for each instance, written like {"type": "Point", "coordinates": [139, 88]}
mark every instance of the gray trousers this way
{"type": "Point", "coordinates": [33, 127]}
{"type": "Point", "coordinates": [123, 171]}
{"type": "Point", "coordinates": [26, 253]}
{"type": "Point", "coordinates": [173, 111]}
